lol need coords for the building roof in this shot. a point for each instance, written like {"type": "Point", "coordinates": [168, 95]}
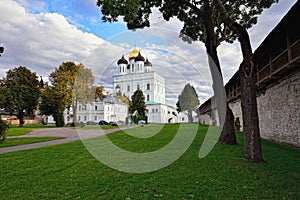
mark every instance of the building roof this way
{"type": "Point", "coordinates": [139, 58]}
{"type": "Point", "coordinates": [122, 61]}
{"type": "Point", "coordinates": [134, 53]}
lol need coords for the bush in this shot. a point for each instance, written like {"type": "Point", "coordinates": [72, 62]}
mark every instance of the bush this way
{"type": "Point", "coordinates": [3, 128]}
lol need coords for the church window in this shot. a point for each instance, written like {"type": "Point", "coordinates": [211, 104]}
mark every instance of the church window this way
{"type": "Point", "coordinates": [79, 107]}
{"type": "Point", "coordinates": [138, 86]}
{"type": "Point", "coordinates": [96, 107]}
{"type": "Point", "coordinates": [78, 118]}
{"type": "Point", "coordinates": [95, 118]}
{"type": "Point", "coordinates": [84, 118]}
{"type": "Point", "coordinates": [128, 88]}
{"type": "Point", "coordinates": [148, 86]}
{"type": "Point", "coordinates": [156, 110]}
{"type": "Point", "coordinates": [148, 97]}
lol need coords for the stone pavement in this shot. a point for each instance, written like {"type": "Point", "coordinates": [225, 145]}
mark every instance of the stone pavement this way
{"type": "Point", "coordinates": [68, 135]}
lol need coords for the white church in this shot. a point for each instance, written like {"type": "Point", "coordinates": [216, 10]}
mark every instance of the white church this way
{"type": "Point", "coordinates": [134, 73]}
{"type": "Point", "coordinates": [137, 73]}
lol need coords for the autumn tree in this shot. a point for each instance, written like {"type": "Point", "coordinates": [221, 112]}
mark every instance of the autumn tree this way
{"type": "Point", "coordinates": [20, 92]}
{"type": "Point", "coordinates": [83, 89]}
{"type": "Point", "coordinates": [99, 93]}
{"type": "Point", "coordinates": [188, 101]}
{"type": "Point", "coordinates": [138, 106]}
{"type": "Point", "coordinates": [70, 84]}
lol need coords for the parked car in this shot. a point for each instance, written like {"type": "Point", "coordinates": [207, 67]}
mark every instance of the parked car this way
{"type": "Point", "coordinates": [103, 122]}
{"type": "Point", "coordinates": [113, 123]}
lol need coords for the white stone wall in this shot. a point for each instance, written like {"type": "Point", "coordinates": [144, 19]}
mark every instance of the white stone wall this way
{"type": "Point", "coordinates": [278, 111]}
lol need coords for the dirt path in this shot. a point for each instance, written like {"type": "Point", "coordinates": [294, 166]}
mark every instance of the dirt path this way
{"type": "Point", "coordinates": [69, 135]}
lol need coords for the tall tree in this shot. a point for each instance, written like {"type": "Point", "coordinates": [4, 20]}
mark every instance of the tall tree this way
{"type": "Point", "coordinates": [252, 144]}
{"type": "Point", "coordinates": [201, 21]}
{"type": "Point", "coordinates": [21, 89]}
{"type": "Point", "coordinates": [70, 84]}
{"type": "Point", "coordinates": [188, 101]}
{"type": "Point", "coordinates": [53, 103]}
{"type": "Point", "coordinates": [83, 88]}
{"type": "Point", "coordinates": [138, 105]}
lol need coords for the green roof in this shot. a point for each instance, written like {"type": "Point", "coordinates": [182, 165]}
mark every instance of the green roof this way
{"type": "Point", "coordinates": [151, 103]}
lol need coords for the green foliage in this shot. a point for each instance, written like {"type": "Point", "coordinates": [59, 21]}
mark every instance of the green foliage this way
{"type": "Point", "coordinates": [138, 106]}
{"type": "Point", "coordinates": [194, 15]}
{"type": "Point", "coordinates": [3, 128]}
{"type": "Point", "coordinates": [20, 92]}
{"type": "Point", "coordinates": [188, 100]}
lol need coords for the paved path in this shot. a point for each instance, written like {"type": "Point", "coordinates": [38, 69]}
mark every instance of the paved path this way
{"type": "Point", "coordinates": [69, 135]}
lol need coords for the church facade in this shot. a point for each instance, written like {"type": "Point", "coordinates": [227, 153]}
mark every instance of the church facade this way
{"type": "Point", "coordinates": [137, 73]}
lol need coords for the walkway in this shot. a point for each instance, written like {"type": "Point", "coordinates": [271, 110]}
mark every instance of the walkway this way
{"type": "Point", "coordinates": [69, 135]}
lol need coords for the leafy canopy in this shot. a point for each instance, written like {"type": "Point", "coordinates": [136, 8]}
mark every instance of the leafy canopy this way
{"type": "Point", "coordinates": [193, 13]}
{"type": "Point", "coordinates": [19, 92]}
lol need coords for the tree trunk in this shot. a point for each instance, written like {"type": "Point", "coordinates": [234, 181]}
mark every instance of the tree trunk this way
{"type": "Point", "coordinates": [74, 107]}
{"type": "Point", "coordinates": [252, 144]}
{"type": "Point", "coordinates": [190, 116]}
{"type": "Point", "coordinates": [227, 135]}
{"type": "Point", "coordinates": [21, 118]}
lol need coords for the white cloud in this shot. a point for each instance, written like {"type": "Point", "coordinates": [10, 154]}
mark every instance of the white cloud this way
{"type": "Point", "coordinates": [41, 41]}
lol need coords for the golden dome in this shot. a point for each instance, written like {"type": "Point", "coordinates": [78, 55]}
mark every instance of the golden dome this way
{"type": "Point", "coordinates": [134, 53]}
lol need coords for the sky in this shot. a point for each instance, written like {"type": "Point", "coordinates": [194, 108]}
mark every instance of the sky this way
{"type": "Point", "coordinates": [41, 34]}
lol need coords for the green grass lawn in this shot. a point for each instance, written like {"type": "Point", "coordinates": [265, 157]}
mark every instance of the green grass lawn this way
{"type": "Point", "coordinates": [68, 171]}
{"type": "Point", "coordinates": [16, 130]}
{"type": "Point", "coordinates": [9, 142]}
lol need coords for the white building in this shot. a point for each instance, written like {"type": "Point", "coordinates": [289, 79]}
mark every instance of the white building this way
{"type": "Point", "coordinates": [110, 109]}
{"type": "Point", "coordinates": [137, 73]}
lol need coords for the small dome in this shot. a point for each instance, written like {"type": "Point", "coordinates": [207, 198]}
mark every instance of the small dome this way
{"type": "Point", "coordinates": [147, 63]}
{"type": "Point", "coordinates": [139, 58]}
{"type": "Point", "coordinates": [122, 61]}
{"type": "Point", "coordinates": [133, 54]}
